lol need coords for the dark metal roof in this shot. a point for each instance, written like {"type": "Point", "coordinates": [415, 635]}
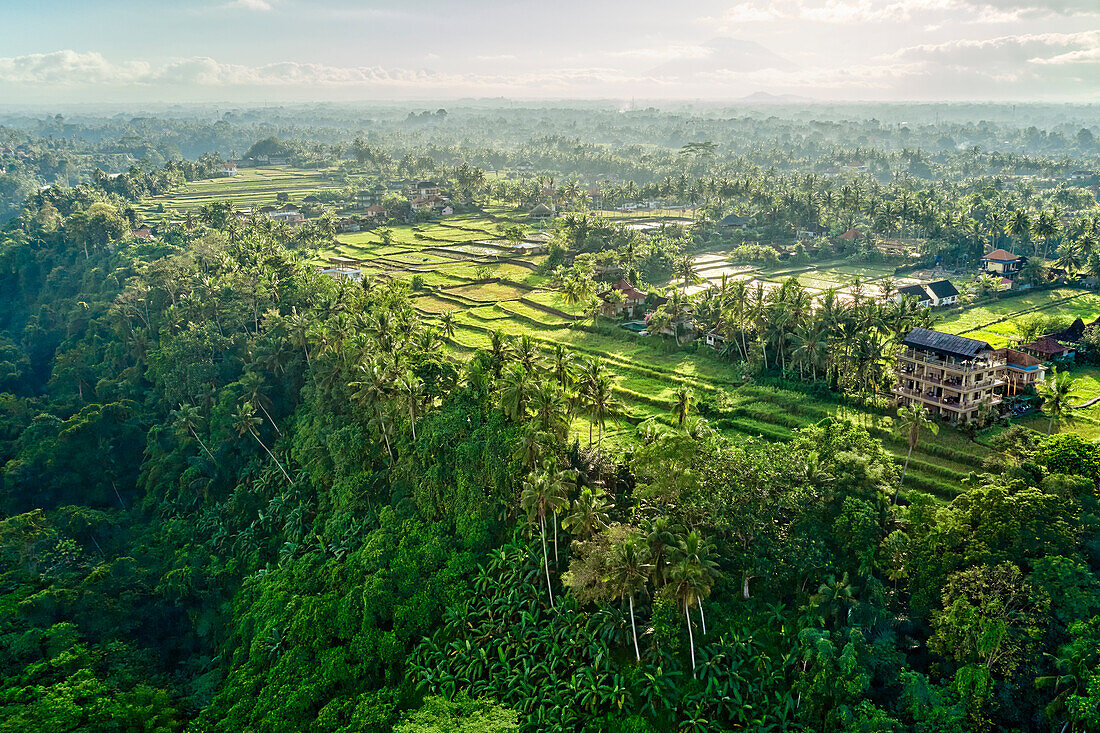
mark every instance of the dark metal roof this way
{"type": "Point", "coordinates": [943, 289]}
{"type": "Point", "coordinates": [945, 343]}
{"type": "Point", "coordinates": [733, 220]}
{"type": "Point", "coordinates": [915, 291]}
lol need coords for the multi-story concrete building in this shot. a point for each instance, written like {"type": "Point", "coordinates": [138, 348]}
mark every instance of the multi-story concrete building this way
{"type": "Point", "coordinates": [952, 376]}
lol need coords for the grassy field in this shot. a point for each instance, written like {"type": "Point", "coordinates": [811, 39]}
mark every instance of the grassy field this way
{"type": "Point", "coordinates": [252, 187]}
{"type": "Point", "coordinates": [450, 259]}
{"type": "Point", "coordinates": [996, 322]}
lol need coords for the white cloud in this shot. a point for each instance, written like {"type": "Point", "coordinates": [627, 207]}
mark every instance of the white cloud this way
{"type": "Point", "coordinates": [667, 53]}
{"type": "Point", "coordinates": [876, 11]}
{"type": "Point", "coordinates": [262, 5]}
{"type": "Point", "coordinates": [1041, 66]}
{"type": "Point", "coordinates": [496, 57]}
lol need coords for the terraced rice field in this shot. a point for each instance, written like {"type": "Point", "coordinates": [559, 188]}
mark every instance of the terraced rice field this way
{"type": "Point", "coordinates": [252, 187]}
{"type": "Point", "coordinates": [447, 257]}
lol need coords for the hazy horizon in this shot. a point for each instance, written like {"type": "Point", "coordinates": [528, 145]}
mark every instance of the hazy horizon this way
{"type": "Point", "coordinates": [252, 52]}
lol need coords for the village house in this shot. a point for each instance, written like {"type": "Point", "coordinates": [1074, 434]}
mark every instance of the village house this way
{"type": "Point", "coordinates": [343, 273]}
{"type": "Point", "coordinates": [229, 169]}
{"type": "Point", "coordinates": [852, 235]}
{"type": "Point", "coordinates": [914, 291]}
{"type": "Point", "coordinates": [1021, 371]}
{"type": "Point", "coordinates": [540, 213]}
{"type": "Point", "coordinates": [424, 190]}
{"type": "Point", "coordinates": [1002, 262]}
{"type": "Point", "coordinates": [288, 214]}
{"type": "Point", "coordinates": [715, 338]}
{"type": "Point", "coordinates": [627, 301]}
{"type": "Point", "coordinates": [527, 249]}
{"type": "Point", "coordinates": [734, 221]}
{"type": "Point", "coordinates": [374, 211]}
{"type": "Point", "coordinates": [953, 376]}
{"type": "Point", "coordinates": [350, 225]}
{"type": "Point", "coordinates": [1048, 349]}
{"type": "Point", "coordinates": [942, 292]}
{"type": "Point", "coordinates": [142, 232]}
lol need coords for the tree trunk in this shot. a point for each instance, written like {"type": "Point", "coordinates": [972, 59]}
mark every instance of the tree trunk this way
{"type": "Point", "coordinates": [546, 562]}
{"type": "Point", "coordinates": [257, 437]}
{"type": "Point", "coordinates": [904, 468]}
{"type": "Point", "coordinates": [691, 637]}
{"type": "Point", "coordinates": [412, 419]}
{"type": "Point", "coordinates": [266, 414]}
{"type": "Point", "coordinates": [385, 435]}
{"type": "Point", "coordinates": [702, 618]}
{"type": "Point", "coordinates": [634, 630]}
{"type": "Point", "coordinates": [556, 561]}
{"type": "Point", "coordinates": [1050, 425]}
{"type": "Point", "coordinates": [745, 577]}
{"type": "Point", "coordinates": [196, 436]}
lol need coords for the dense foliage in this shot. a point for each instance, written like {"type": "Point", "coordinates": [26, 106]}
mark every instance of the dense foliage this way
{"type": "Point", "coordinates": [238, 495]}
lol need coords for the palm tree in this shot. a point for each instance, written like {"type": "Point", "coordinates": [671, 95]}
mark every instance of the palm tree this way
{"type": "Point", "coordinates": [527, 353]}
{"type": "Point", "coordinates": [912, 418]}
{"type": "Point", "coordinates": [500, 349]}
{"type": "Point", "coordinates": [629, 568]}
{"type": "Point", "coordinates": [686, 577]}
{"type": "Point", "coordinates": [253, 385]}
{"type": "Point", "coordinates": [245, 421]}
{"type": "Point", "coordinates": [1018, 225]}
{"type": "Point", "coordinates": [563, 366]}
{"type": "Point", "coordinates": [514, 388]}
{"type": "Point", "coordinates": [682, 406]}
{"type": "Point", "coordinates": [447, 324]}
{"type": "Point", "coordinates": [187, 420]}
{"type": "Point", "coordinates": [1055, 392]}
{"type": "Point", "coordinates": [558, 499]}
{"type": "Point", "coordinates": [371, 390]}
{"type": "Point", "coordinates": [601, 402]}
{"type": "Point", "coordinates": [551, 409]}
{"type": "Point", "coordinates": [685, 269]}
{"type": "Point", "coordinates": [589, 513]}
{"type": "Point", "coordinates": [1070, 258]}
{"type": "Point", "coordinates": [697, 551]}
{"type": "Point", "coordinates": [536, 501]}
{"type": "Point", "coordinates": [410, 386]}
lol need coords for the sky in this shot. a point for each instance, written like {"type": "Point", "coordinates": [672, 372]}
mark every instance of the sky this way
{"type": "Point", "coordinates": [252, 51]}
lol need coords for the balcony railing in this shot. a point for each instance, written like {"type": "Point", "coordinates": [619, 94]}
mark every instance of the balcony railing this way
{"type": "Point", "coordinates": [972, 365]}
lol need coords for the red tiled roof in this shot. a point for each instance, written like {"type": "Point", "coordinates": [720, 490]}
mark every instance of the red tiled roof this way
{"type": "Point", "coordinates": [1001, 255]}
{"type": "Point", "coordinates": [1046, 346]}
{"type": "Point", "coordinates": [852, 234]}
{"type": "Point", "coordinates": [629, 291]}
{"type": "Point", "coordinates": [1017, 358]}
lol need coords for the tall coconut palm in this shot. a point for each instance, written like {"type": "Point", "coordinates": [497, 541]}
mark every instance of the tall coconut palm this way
{"type": "Point", "coordinates": [551, 409]}
{"type": "Point", "coordinates": [588, 514]}
{"type": "Point", "coordinates": [515, 387]}
{"type": "Point", "coordinates": [1055, 392]}
{"type": "Point", "coordinates": [912, 419]}
{"type": "Point", "coordinates": [695, 550]}
{"type": "Point", "coordinates": [600, 400]}
{"type": "Point", "coordinates": [562, 366]}
{"type": "Point", "coordinates": [527, 353]}
{"type": "Point", "coordinates": [682, 406]}
{"type": "Point", "coordinates": [627, 574]}
{"type": "Point", "coordinates": [187, 420]}
{"type": "Point", "coordinates": [411, 388]}
{"type": "Point", "coordinates": [245, 421]}
{"type": "Point", "coordinates": [447, 324]}
{"type": "Point", "coordinates": [1018, 225]}
{"type": "Point", "coordinates": [536, 500]}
